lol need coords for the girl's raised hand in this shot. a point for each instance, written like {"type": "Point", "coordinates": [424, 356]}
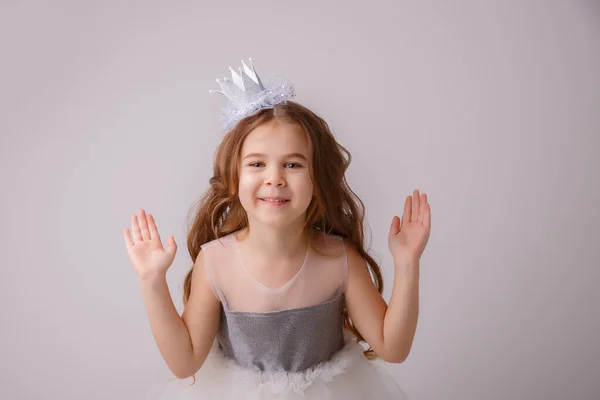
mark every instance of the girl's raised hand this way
{"type": "Point", "coordinates": [146, 253]}
{"type": "Point", "coordinates": [408, 238]}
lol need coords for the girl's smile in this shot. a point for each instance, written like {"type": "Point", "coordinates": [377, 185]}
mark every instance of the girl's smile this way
{"type": "Point", "coordinates": [274, 201]}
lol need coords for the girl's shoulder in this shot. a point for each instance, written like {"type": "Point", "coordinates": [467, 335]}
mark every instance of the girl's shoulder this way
{"type": "Point", "coordinates": [224, 241]}
{"type": "Point", "coordinates": [328, 244]}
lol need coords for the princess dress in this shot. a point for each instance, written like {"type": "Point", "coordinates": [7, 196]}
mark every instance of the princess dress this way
{"type": "Point", "coordinates": [284, 343]}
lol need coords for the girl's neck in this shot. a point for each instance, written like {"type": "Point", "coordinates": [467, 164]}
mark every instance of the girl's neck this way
{"type": "Point", "coordinates": [275, 243]}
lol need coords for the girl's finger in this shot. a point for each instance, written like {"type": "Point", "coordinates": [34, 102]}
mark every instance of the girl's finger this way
{"type": "Point", "coordinates": [135, 229]}
{"type": "Point", "coordinates": [415, 206]}
{"type": "Point", "coordinates": [422, 207]}
{"type": "Point", "coordinates": [144, 225]}
{"type": "Point", "coordinates": [153, 230]}
{"type": "Point", "coordinates": [407, 210]}
{"type": "Point", "coordinates": [427, 216]}
{"type": "Point", "coordinates": [127, 235]}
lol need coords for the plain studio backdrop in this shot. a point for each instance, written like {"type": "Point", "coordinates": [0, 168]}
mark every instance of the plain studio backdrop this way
{"type": "Point", "coordinates": [491, 108]}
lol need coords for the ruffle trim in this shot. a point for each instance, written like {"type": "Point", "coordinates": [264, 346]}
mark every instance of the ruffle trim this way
{"type": "Point", "coordinates": [281, 382]}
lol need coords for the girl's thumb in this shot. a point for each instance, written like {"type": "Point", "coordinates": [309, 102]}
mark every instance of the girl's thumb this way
{"type": "Point", "coordinates": [395, 226]}
{"type": "Point", "coordinates": [172, 246]}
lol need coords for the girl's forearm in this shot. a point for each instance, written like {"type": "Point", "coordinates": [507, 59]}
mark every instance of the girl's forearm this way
{"type": "Point", "coordinates": [400, 323]}
{"type": "Point", "coordinates": [169, 331]}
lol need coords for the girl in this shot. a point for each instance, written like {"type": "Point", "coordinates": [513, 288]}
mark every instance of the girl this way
{"type": "Point", "coordinates": [282, 291]}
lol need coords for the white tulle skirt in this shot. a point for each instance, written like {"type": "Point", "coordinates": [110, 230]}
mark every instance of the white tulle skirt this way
{"type": "Point", "coordinates": [348, 375]}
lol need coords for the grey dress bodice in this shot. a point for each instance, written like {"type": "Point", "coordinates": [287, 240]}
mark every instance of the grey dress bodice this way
{"type": "Point", "coordinates": [288, 340]}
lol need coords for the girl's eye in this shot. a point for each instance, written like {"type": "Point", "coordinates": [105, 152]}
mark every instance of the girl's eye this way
{"type": "Point", "coordinates": [261, 164]}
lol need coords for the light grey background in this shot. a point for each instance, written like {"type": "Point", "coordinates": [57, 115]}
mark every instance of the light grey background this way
{"type": "Point", "coordinates": [492, 108]}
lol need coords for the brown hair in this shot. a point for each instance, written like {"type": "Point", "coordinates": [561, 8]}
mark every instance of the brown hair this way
{"type": "Point", "coordinates": [334, 209]}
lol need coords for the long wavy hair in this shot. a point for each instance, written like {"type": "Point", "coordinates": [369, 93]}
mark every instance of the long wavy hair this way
{"type": "Point", "coordinates": [334, 208]}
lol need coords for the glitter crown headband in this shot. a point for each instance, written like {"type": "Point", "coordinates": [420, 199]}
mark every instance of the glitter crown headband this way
{"type": "Point", "coordinates": [246, 93]}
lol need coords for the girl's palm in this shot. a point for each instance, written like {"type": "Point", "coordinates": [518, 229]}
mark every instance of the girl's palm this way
{"type": "Point", "coordinates": [408, 237]}
{"type": "Point", "coordinates": [146, 253]}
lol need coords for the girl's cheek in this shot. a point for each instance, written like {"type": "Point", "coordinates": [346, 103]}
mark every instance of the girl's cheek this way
{"type": "Point", "coordinates": [247, 183]}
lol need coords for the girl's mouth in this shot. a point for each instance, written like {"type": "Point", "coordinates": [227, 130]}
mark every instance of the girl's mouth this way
{"type": "Point", "coordinates": [276, 201]}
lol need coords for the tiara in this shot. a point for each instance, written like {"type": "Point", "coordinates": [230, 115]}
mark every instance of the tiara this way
{"type": "Point", "coordinates": [247, 93]}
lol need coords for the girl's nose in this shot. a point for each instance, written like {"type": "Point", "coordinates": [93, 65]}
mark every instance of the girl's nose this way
{"type": "Point", "coordinates": [275, 178]}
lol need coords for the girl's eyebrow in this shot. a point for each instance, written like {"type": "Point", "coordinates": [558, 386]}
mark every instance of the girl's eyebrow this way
{"type": "Point", "coordinates": [291, 155]}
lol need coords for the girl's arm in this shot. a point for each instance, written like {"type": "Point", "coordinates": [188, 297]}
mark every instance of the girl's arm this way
{"type": "Point", "coordinates": [185, 341]}
{"type": "Point", "coordinates": [388, 329]}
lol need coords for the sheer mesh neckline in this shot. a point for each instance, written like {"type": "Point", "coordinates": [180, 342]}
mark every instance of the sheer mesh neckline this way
{"type": "Point", "coordinates": [245, 268]}
{"type": "Point", "coordinates": [339, 295]}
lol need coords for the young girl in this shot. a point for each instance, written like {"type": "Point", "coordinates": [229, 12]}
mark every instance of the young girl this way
{"type": "Point", "coordinates": [282, 291]}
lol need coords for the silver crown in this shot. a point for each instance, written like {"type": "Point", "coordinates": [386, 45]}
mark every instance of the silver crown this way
{"type": "Point", "coordinates": [246, 93]}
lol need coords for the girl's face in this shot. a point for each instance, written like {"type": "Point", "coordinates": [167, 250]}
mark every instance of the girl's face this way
{"type": "Point", "coordinates": [275, 186]}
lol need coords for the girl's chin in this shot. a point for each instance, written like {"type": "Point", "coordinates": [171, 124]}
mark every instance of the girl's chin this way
{"type": "Point", "coordinates": [276, 217]}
